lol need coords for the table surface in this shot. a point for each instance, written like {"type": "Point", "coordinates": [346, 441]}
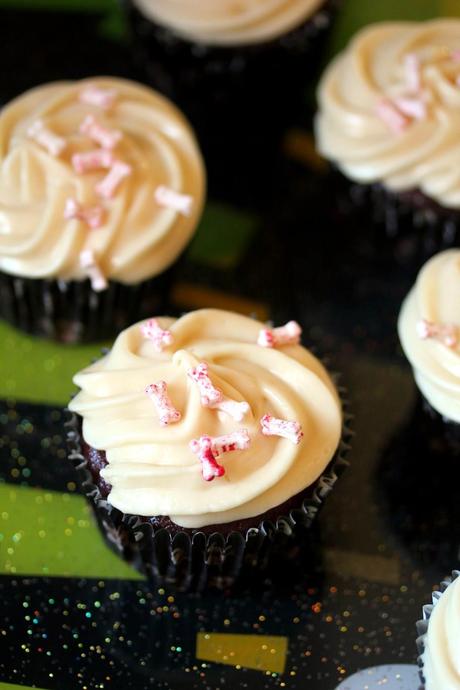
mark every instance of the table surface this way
{"type": "Point", "coordinates": [72, 615]}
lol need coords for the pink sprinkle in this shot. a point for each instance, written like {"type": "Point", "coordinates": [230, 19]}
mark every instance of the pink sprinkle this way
{"type": "Point", "coordinates": [182, 203]}
{"type": "Point", "coordinates": [284, 335]}
{"type": "Point", "coordinates": [107, 138]}
{"type": "Point", "coordinates": [209, 465]}
{"type": "Point", "coordinates": [391, 116]}
{"type": "Point", "coordinates": [153, 331]}
{"type": "Point", "coordinates": [99, 97]}
{"type": "Point", "coordinates": [210, 395]}
{"type": "Point", "coordinates": [158, 394]}
{"type": "Point", "coordinates": [46, 138]}
{"type": "Point", "coordinates": [92, 160]}
{"type": "Point", "coordinates": [93, 216]}
{"type": "Point", "coordinates": [237, 440]}
{"type": "Point", "coordinates": [413, 72]}
{"type": "Point", "coordinates": [412, 107]}
{"type": "Point", "coordinates": [93, 271]}
{"type": "Point", "coordinates": [271, 426]}
{"type": "Point", "coordinates": [117, 173]}
{"type": "Point", "coordinates": [455, 55]}
{"type": "Point", "coordinates": [236, 410]}
{"type": "Point", "coordinates": [447, 334]}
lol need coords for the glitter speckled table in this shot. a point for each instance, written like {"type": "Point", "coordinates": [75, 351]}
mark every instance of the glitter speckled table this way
{"type": "Point", "coordinates": [73, 616]}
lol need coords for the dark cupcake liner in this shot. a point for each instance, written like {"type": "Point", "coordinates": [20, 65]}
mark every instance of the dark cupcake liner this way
{"type": "Point", "coordinates": [239, 99]}
{"type": "Point", "coordinates": [409, 224]}
{"type": "Point", "coordinates": [425, 523]}
{"type": "Point", "coordinates": [443, 427]}
{"type": "Point", "coordinates": [71, 312]}
{"type": "Point", "coordinates": [422, 625]}
{"type": "Point", "coordinates": [195, 561]}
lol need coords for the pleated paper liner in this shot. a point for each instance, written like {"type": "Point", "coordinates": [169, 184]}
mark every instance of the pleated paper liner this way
{"type": "Point", "coordinates": [422, 625]}
{"type": "Point", "coordinates": [409, 225]}
{"type": "Point", "coordinates": [71, 311]}
{"type": "Point", "coordinates": [195, 561]}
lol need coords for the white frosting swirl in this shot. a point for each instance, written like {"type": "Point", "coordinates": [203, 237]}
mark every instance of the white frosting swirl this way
{"type": "Point", "coordinates": [441, 658]}
{"type": "Point", "coordinates": [349, 131]}
{"type": "Point", "coordinates": [229, 22]}
{"type": "Point", "coordinates": [436, 299]}
{"type": "Point", "coordinates": [152, 469]}
{"type": "Point", "coordinates": [138, 238]}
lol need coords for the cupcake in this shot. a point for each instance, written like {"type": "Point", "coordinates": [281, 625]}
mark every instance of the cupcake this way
{"type": "Point", "coordinates": [429, 330]}
{"type": "Point", "coordinates": [388, 121]}
{"type": "Point", "coordinates": [101, 188]}
{"type": "Point", "coordinates": [238, 69]}
{"type": "Point", "coordinates": [204, 441]}
{"type": "Point", "coordinates": [439, 638]}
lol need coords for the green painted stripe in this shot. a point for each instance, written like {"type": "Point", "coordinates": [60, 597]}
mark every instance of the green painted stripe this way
{"type": "Point", "coordinates": [37, 370]}
{"type": "Point", "coordinates": [53, 534]}
{"type": "Point", "coordinates": [9, 686]}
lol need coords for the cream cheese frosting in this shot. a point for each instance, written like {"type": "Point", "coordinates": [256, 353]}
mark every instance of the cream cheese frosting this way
{"type": "Point", "coordinates": [435, 299]}
{"type": "Point", "coordinates": [138, 237]}
{"type": "Point", "coordinates": [151, 467]}
{"type": "Point", "coordinates": [229, 22]}
{"type": "Point", "coordinates": [441, 658]}
{"type": "Point", "coordinates": [410, 65]}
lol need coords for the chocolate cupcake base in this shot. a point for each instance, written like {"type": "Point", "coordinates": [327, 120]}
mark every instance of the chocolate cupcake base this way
{"type": "Point", "coordinates": [217, 556]}
{"type": "Point", "coordinates": [239, 99]}
{"type": "Point", "coordinates": [71, 312]}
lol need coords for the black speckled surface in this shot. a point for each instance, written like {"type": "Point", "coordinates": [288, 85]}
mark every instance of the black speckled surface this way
{"type": "Point", "coordinates": [388, 534]}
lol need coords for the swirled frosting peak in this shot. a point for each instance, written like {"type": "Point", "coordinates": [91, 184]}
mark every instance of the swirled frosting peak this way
{"type": "Point", "coordinates": [157, 468]}
{"type": "Point", "coordinates": [83, 171]}
{"type": "Point", "coordinates": [429, 329]}
{"type": "Point", "coordinates": [389, 108]}
{"type": "Point", "coordinates": [441, 658]}
{"type": "Point", "coordinates": [229, 22]}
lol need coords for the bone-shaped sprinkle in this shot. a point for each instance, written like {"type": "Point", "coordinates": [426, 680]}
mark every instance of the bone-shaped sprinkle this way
{"type": "Point", "coordinates": [117, 173]}
{"type": "Point", "coordinates": [159, 337]}
{"type": "Point", "coordinates": [447, 334]}
{"type": "Point", "coordinates": [209, 393]}
{"type": "Point", "coordinates": [93, 216]}
{"type": "Point", "coordinates": [43, 136]}
{"type": "Point", "coordinates": [237, 440]}
{"type": "Point", "coordinates": [93, 271]}
{"type": "Point", "coordinates": [392, 116]}
{"type": "Point", "coordinates": [107, 138]}
{"type": "Point", "coordinates": [98, 96]}
{"type": "Point", "coordinates": [182, 203]}
{"type": "Point", "coordinates": [412, 107]}
{"type": "Point", "coordinates": [236, 410]}
{"type": "Point", "coordinates": [158, 394]}
{"type": "Point", "coordinates": [92, 160]}
{"type": "Point", "coordinates": [271, 426]}
{"type": "Point", "coordinates": [284, 335]}
{"type": "Point", "coordinates": [210, 468]}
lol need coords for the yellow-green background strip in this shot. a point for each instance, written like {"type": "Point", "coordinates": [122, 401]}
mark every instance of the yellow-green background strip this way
{"type": "Point", "coordinates": [9, 686]}
{"type": "Point", "coordinates": [54, 534]}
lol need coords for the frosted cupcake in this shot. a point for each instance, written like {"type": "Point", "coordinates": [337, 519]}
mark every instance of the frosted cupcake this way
{"type": "Point", "coordinates": [439, 640]}
{"type": "Point", "coordinates": [238, 69]}
{"type": "Point", "coordinates": [388, 120]}
{"type": "Point", "coordinates": [101, 188]}
{"type": "Point", "coordinates": [206, 430]}
{"type": "Point", "coordinates": [429, 330]}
